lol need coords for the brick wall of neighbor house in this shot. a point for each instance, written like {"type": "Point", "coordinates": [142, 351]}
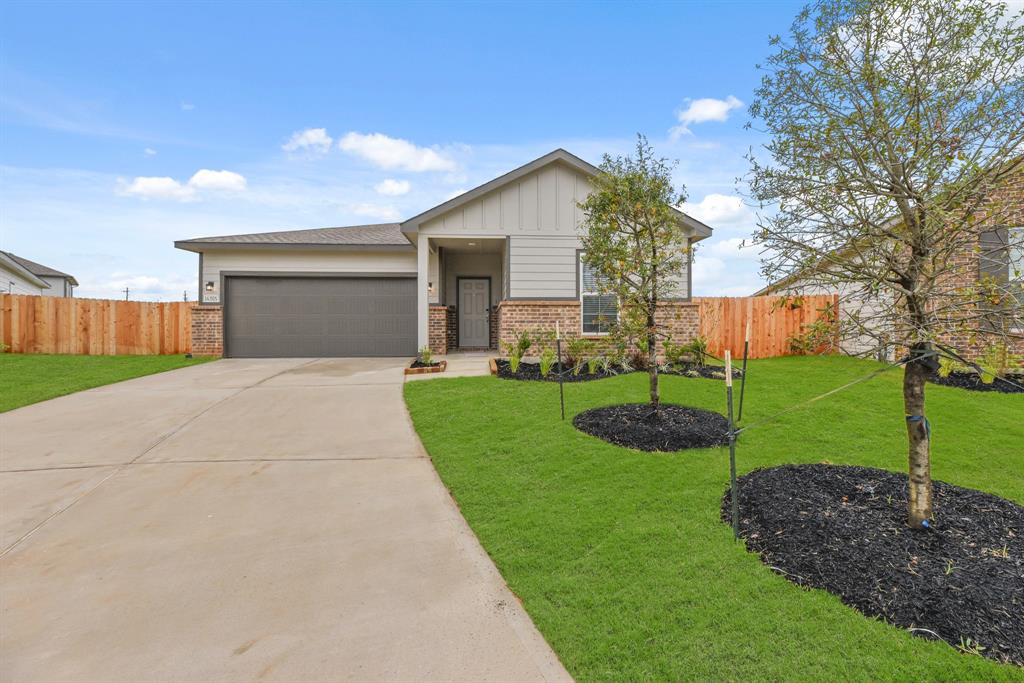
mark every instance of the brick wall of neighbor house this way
{"type": "Point", "coordinates": [207, 330]}
{"type": "Point", "coordinates": [680, 318]}
{"type": "Point", "coordinates": [437, 329]}
{"type": "Point", "coordinates": [1005, 208]}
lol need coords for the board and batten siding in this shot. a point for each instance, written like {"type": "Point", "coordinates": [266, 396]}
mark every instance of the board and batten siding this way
{"type": "Point", "coordinates": [541, 202]}
{"type": "Point", "coordinates": [219, 261]}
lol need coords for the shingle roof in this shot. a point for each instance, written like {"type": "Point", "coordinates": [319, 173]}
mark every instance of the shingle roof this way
{"type": "Point", "coordinates": [37, 269]}
{"type": "Point", "coordinates": [381, 234]}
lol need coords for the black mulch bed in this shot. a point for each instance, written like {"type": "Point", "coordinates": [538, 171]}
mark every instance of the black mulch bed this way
{"type": "Point", "coordinates": [971, 380]}
{"type": "Point", "coordinates": [844, 529]}
{"type": "Point", "coordinates": [419, 364]}
{"type": "Point", "coordinates": [531, 372]}
{"type": "Point", "coordinates": [671, 428]}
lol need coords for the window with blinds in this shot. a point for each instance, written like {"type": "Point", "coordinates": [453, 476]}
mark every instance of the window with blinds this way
{"type": "Point", "coordinates": [598, 310]}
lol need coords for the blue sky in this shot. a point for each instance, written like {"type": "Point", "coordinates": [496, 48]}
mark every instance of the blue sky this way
{"type": "Point", "coordinates": [126, 126]}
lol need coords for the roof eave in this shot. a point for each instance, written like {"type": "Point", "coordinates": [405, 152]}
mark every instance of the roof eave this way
{"type": "Point", "coordinates": [22, 271]}
{"type": "Point", "coordinates": [199, 247]}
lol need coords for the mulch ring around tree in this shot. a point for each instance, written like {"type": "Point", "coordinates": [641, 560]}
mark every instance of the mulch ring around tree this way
{"type": "Point", "coordinates": [670, 428]}
{"type": "Point", "coordinates": [972, 381]}
{"type": "Point", "coordinates": [844, 529]}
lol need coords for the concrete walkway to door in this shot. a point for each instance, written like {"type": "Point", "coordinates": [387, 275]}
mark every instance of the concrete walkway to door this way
{"type": "Point", "coordinates": [244, 520]}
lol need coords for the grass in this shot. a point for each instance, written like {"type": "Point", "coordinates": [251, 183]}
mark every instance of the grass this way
{"type": "Point", "coordinates": [620, 558]}
{"type": "Point", "coordinates": [30, 378]}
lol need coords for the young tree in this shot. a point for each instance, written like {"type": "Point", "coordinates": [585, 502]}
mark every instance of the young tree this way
{"type": "Point", "coordinates": [891, 123]}
{"type": "Point", "coordinates": [634, 240]}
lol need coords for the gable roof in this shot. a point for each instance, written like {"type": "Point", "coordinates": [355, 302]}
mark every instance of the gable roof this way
{"type": "Point", "coordinates": [38, 269]}
{"type": "Point", "coordinates": [377, 236]}
{"type": "Point", "coordinates": [411, 226]}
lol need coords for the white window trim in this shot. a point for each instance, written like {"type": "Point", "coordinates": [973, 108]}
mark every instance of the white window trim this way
{"type": "Point", "coordinates": [579, 267]}
{"type": "Point", "coordinates": [1011, 232]}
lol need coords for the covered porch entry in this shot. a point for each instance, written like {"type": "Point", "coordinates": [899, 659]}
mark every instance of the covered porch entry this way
{"type": "Point", "coordinates": [466, 285]}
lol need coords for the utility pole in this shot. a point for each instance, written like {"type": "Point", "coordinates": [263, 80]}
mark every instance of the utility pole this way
{"type": "Point", "coordinates": [126, 294]}
{"type": "Point", "coordinates": [185, 294]}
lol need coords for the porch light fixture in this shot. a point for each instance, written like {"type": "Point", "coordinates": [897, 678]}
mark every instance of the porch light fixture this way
{"type": "Point", "coordinates": [430, 287]}
{"type": "Point", "coordinates": [209, 286]}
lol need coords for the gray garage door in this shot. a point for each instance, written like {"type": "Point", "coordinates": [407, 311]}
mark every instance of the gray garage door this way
{"type": "Point", "coordinates": [282, 317]}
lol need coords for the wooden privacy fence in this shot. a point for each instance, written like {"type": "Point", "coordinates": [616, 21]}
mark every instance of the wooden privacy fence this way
{"type": "Point", "coordinates": [774, 320]}
{"type": "Point", "coordinates": [96, 327]}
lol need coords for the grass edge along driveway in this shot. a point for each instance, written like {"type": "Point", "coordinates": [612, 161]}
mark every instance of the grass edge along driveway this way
{"type": "Point", "coordinates": [620, 558]}
{"type": "Point", "coordinates": [30, 378]}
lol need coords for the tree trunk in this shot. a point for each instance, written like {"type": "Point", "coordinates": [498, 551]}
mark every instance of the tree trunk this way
{"type": "Point", "coordinates": [652, 362]}
{"type": "Point", "coordinates": [919, 508]}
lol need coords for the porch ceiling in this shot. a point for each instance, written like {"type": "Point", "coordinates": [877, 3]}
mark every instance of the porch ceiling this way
{"type": "Point", "coordinates": [469, 245]}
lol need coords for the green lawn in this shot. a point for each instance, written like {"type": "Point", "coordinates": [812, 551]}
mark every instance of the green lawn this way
{"type": "Point", "coordinates": [620, 558]}
{"type": "Point", "coordinates": [30, 378]}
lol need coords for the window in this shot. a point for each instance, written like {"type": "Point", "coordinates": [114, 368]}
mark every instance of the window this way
{"type": "Point", "coordinates": [599, 310]}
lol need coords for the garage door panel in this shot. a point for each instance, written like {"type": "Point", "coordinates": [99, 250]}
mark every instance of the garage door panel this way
{"type": "Point", "coordinates": [314, 317]}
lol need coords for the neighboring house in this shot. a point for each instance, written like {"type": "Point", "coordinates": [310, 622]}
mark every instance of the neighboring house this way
{"type": "Point", "coordinates": [22, 276]}
{"type": "Point", "coordinates": [467, 274]}
{"type": "Point", "coordinates": [997, 254]}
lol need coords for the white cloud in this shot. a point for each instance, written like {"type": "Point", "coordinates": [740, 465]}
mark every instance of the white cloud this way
{"type": "Point", "coordinates": [395, 153]}
{"type": "Point", "coordinates": [168, 188]}
{"type": "Point", "coordinates": [221, 181]}
{"type": "Point", "coordinates": [392, 187]}
{"type": "Point", "coordinates": [455, 194]}
{"type": "Point", "coordinates": [376, 211]}
{"type": "Point", "coordinates": [158, 188]}
{"type": "Point", "coordinates": [140, 287]}
{"type": "Point", "coordinates": [719, 209]}
{"type": "Point", "coordinates": [732, 248]}
{"type": "Point", "coordinates": [703, 110]}
{"type": "Point", "coordinates": [149, 152]}
{"type": "Point", "coordinates": [313, 140]}
{"type": "Point", "coordinates": [187, 106]}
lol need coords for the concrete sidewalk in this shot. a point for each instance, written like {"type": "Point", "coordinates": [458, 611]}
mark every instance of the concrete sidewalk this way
{"type": "Point", "coordinates": [244, 520]}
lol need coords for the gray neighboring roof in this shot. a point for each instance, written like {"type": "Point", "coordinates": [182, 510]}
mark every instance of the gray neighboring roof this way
{"type": "Point", "coordinates": [377, 236]}
{"type": "Point", "coordinates": [412, 225]}
{"type": "Point", "coordinates": [38, 269]}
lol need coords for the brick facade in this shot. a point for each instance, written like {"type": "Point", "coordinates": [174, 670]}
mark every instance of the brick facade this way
{"type": "Point", "coordinates": [1003, 208]}
{"type": "Point", "coordinates": [207, 330]}
{"type": "Point", "coordinates": [437, 329]}
{"type": "Point", "coordinates": [680, 318]}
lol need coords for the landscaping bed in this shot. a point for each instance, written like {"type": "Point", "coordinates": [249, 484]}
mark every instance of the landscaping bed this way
{"type": "Point", "coordinates": [972, 381]}
{"type": "Point", "coordinates": [418, 367]}
{"type": "Point", "coordinates": [843, 528]}
{"type": "Point", "coordinates": [531, 372]}
{"type": "Point", "coordinates": [669, 428]}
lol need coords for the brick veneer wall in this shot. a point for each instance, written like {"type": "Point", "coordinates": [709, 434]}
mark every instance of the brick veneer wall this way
{"type": "Point", "coordinates": [1004, 208]}
{"type": "Point", "coordinates": [437, 327]}
{"type": "Point", "coordinates": [207, 330]}
{"type": "Point", "coordinates": [681, 319]}
{"type": "Point", "coordinates": [452, 329]}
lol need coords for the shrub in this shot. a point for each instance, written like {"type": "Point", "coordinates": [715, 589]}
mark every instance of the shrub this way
{"type": "Point", "coordinates": [425, 356]}
{"type": "Point", "coordinates": [578, 350]}
{"type": "Point", "coordinates": [547, 359]}
{"type": "Point", "coordinates": [594, 364]}
{"type": "Point", "coordinates": [998, 361]}
{"type": "Point", "coordinates": [697, 349]}
{"type": "Point", "coordinates": [676, 354]}
{"type": "Point", "coordinates": [639, 360]}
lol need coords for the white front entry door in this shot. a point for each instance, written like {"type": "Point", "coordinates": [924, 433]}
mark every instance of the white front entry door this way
{"type": "Point", "coordinates": [474, 312]}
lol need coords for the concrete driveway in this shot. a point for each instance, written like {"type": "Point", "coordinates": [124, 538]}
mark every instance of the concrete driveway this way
{"type": "Point", "coordinates": [244, 520]}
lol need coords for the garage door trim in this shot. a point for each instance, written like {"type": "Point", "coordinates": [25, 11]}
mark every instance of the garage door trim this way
{"type": "Point", "coordinates": [226, 275]}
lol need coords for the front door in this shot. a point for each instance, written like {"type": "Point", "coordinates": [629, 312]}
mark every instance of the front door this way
{"type": "Point", "coordinates": [474, 312]}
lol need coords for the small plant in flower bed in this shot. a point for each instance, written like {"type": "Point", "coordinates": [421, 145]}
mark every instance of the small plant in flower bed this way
{"type": "Point", "coordinates": [690, 360]}
{"type": "Point", "coordinates": [595, 368]}
{"type": "Point", "coordinates": [425, 359]}
{"type": "Point", "coordinates": [1000, 370]}
{"type": "Point", "coordinates": [517, 349]}
{"type": "Point", "coordinates": [844, 529]}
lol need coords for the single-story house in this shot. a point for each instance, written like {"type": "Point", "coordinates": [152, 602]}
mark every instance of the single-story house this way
{"type": "Point", "coordinates": [22, 276]}
{"type": "Point", "coordinates": [465, 274]}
